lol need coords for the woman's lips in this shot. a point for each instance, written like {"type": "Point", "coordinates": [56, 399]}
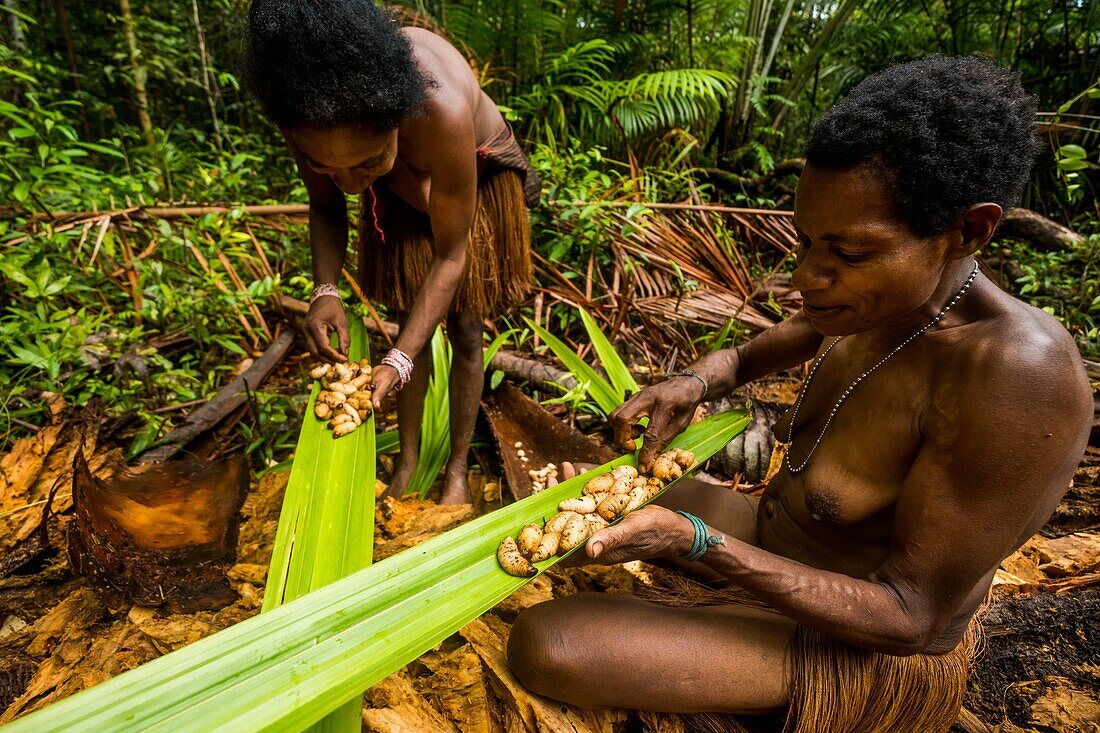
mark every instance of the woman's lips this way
{"type": "Point", "coordinates": [817, 310]}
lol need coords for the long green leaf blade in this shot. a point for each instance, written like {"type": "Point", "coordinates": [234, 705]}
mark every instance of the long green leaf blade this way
{"type": "Point", "coordinates": [284, 670]}
{"type": "Point", "coordinates": [435, 428]}
{"type": "Point", "coordinates": [617, 371]}
{"type": "Point", "coordinates": [326, 526]}
{"type": "Point", "coordinates": [598, 388]}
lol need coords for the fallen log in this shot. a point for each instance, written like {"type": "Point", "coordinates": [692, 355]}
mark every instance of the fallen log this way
{"type": "Point", "coordinates": [1038, 230]}
{"type": "Point", "coordinates": [229, 398]}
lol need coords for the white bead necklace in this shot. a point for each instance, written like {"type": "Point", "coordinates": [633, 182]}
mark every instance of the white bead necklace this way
{"type": "Point", "coordinates": [785, 447]}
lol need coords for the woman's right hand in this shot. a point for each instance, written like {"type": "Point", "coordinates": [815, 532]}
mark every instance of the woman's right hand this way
{"type": "Point", "coordinates": [325, 316]}
{"type": "Point", "coordinates": [669, 405]}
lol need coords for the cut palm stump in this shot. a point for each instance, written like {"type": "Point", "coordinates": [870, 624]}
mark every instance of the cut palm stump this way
{"type": "Point", "coordinates": [608, 497]}
{"type": "Point", "coordinates": [164, 533]}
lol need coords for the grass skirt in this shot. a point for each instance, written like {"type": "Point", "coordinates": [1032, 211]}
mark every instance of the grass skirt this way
{"type": "Point", "coordinates": [839, 688]}
{"type": "Point", "coordinates": [395, 248]}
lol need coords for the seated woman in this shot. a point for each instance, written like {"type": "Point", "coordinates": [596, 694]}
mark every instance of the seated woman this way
{"type": "Point", "coordinates": [939, 426]}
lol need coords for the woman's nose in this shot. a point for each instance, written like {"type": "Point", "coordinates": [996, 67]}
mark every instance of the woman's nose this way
{"type": "Point", "coordinates": [811, 274]}
{"type": "Point", "coordinates": [350, 182]}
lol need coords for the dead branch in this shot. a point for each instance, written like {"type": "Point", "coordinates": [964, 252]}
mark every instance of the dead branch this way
{"type": "Point", "coordinates": [1038, 230]}
{"type": "Point", "coordinates": [176, 212]}
{"type": "Point", "coordinates": [717, 208]}
{"type": "Point", "coordinates": [228, 399]}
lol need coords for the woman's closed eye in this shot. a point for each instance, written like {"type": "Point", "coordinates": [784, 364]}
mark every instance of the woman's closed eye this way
{"type": "Point", "coordinates": [851, 257]}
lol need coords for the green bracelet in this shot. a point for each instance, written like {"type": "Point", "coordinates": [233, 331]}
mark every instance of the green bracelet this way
{"type": "Point", "coordinates": [703, 539]}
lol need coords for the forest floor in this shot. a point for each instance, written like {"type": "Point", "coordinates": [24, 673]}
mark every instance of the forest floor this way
{"type": "Point", "coordinates": [60, 633]}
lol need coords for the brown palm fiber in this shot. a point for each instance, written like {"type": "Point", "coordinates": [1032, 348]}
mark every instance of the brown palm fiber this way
{"type": "Point", "coordinates": [394, 257]}
{"type": "Point", "coordinates": [836, 687]}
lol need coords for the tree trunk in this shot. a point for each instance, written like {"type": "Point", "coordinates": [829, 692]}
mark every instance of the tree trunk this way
{"type": "Point", "coordinates": [141, 96]}
{"type": "Point", "coordinates": [159, 534]}
{"type": "Point", "coordinates": [204, 61]}
{"type": "Point", "coordinates": [776, 38]}
{"type": "Point", "coordinates": [809, 62]}
{"type": "Point", "coordinates": [18, 41]}
{"type": "Point", "coordinates": [756, 26]}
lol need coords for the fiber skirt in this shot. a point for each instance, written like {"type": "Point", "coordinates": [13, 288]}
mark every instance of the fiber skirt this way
{"type": "Point", "coordinates": [395, 248]}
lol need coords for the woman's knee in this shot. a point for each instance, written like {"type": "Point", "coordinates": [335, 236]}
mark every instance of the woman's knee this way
{"type": "Point", "coordinates": [540, 652]}
{"type": "Point", "coordinates": [464, 333]}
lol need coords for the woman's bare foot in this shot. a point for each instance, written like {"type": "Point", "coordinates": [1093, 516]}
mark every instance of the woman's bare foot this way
{"type": "Point", "coordinates": [456, 489]}
{"type": "Point", "coordinates": [402, 474]}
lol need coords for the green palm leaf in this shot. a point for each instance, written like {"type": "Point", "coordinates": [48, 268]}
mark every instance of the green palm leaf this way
{"type": "Point", "coordinates": [326, 526]}
{"type": "Point", "coordinates": [597, 387]}
{"type": "Point", "coordinates": [435, 429]}
{"type": "Point", "coordinates": [621, 378]}
{"type": "Point", "coordinates": [285, 669]}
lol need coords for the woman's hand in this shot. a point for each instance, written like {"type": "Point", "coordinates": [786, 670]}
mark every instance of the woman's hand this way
{"type": "Point", "coordinates": [669, 405]}
{"type": "Point", "coordinates": [647, 533]}
{"type": "Point", "coordinates": [326, 316]}
{"type": "Point", "coordinates": [383, 378]}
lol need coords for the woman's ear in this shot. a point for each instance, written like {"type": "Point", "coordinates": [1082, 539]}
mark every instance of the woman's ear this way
{"type": "Point", "coordinates": [976, 229]}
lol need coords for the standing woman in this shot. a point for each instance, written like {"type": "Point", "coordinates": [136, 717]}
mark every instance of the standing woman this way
{"type": "Point", "coordinates": [396, 115]}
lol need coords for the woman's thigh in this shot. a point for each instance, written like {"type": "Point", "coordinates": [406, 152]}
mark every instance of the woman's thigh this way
{"type": "Point", "coordinates": [599, 650]}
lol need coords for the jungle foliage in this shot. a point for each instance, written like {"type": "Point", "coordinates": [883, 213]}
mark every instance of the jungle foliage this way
{"type": "Point", "coordinates": [107, 105]}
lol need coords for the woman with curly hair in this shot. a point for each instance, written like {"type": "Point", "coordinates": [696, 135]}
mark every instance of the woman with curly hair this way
{"type": "Point", "coordinates": [939, 425]}
{"type": "Point", "coordinates": [396, 115]}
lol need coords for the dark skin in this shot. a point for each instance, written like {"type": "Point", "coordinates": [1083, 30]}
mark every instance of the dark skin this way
{"type": "Point", "coordinates": [429, 162]}
{"type": "Point", "coordinates": [938, 466]}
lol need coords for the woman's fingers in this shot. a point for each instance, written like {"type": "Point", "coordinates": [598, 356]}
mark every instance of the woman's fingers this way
{"type": "Point", "coordinates": [320, 331]}
{"type": "Point", "coordinates": [656, 435]}
{"type": "Point", "coordinates": [383, 379]}
{"type": "Point", "coordinates": [624, 418]}
{"type": "Point", "coordinates": [569, 469]}
{"type": "Point", "coordinates": [343, 334]}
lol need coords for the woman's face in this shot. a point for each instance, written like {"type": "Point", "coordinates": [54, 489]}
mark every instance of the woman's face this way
{"type": "Point", "coordinates": [859, 266]}
{"type": "Point", "coordinates": [353, 158]}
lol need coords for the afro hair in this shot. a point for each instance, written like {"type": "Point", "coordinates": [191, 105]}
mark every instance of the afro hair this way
{"type": "Point", "coordinates": [332, 63]}
{"type": "Point", "coordinates": [944, 133]}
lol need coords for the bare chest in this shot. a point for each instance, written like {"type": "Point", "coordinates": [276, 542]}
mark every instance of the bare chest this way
{"type": "Point", "coordinates": [846, 464]}
{"type": "Point", "coordinates": [411, 184]}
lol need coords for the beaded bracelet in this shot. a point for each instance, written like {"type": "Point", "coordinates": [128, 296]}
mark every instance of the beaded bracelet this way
{"type": "Point", "coordinates": [400, 361]}
{"type": "Point", "coordinates": [704, 540]}
{"type": "Point", "coordinates": [323, 290]}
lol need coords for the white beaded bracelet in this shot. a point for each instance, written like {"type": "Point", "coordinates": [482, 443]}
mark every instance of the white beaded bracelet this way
{"type": "Point", "coordinates": [322, 290]}
{"type": "Point", "coordinates": [400, 361]}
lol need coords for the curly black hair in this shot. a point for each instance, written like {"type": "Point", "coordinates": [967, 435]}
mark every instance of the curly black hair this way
{"type": "Point", "coordinates": [331, 63]}
{"type": "Point", "coordinates": [944, 133]}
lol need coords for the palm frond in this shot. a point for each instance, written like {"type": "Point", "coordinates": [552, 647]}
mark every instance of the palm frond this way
{"type": "Point", "coordinates": [288, 668]}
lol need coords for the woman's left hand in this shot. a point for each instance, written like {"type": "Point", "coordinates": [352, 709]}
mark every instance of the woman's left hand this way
{"type": "Point", "coordinates": [647, 533]}
{"type": "Point", "coordinates": [384, 379]}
